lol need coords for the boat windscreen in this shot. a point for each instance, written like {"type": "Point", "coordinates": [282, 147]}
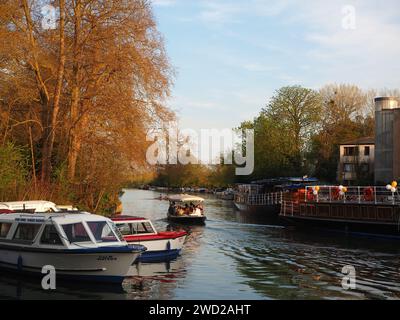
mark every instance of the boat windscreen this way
{"type": "Point", "coordinates": [76, 232]}
{"type": "Point", "coordinates": [102, 232]}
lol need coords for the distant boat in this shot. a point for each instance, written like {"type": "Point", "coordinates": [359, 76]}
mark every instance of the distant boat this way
{"type": "Point", "coordinates": [186, 209]}
{"type": "Point", "coordinates": [79, 246]}
{"type": "Point", "coordinates": [161, 246]}
{"type": "Point", "coordinates": [227, 194]}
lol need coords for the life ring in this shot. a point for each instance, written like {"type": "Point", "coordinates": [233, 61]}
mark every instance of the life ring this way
{"type": "Point", "coordinates": [310, 195]}
{"type": "Point", "coordinates": [335, 194]}
{"type": "Point", "coordinates": [368, 194]}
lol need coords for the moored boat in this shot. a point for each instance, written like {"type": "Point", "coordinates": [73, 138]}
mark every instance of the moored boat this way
{"type": "Point", "coordinates": [359, 210]}
{"type": "Point", "coordinates": [186, 209]}
{"type": "Point", "coordinates": [265, 196]}
{"type": "Point", "coordinates": [161, 246]}
{"type": "Point", "coordinates": [79, 246]}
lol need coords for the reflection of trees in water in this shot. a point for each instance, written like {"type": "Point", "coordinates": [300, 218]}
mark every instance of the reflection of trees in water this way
{"type": "Point", "coordinates": [14, 286]}
{"type": "Point", "coordinates": [159, 280]}
{"type": "Point", "coordinates": [292, 265]}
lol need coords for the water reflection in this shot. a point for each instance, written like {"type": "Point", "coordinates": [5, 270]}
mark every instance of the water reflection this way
{"type": "Point", "coordinates": [239, 256]}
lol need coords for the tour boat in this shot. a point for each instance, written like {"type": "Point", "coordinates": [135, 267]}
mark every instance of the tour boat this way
{"type": "Point", "coordinates": [186, 209]}
{"type": "Point", "coordinates": [80, 246]}
{"type": "Point", "coordinates": [161, 246]}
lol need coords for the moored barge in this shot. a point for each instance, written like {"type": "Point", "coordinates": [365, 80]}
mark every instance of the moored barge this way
{"type": "Point", "coordinates": [354, 210]}
{"type": "Point", "coordinates": [265, 197]}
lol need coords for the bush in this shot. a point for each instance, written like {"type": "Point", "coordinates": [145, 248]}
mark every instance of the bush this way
{"type": "Point", "coordinates": [13, 172]}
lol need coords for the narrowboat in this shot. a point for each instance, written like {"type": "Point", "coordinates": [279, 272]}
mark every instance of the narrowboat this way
{"type": "Point", "coordinates": [186, 209]}
{"type": "Point", "coordinates": [79, 246]}
{"type": "Point", "coordinates": [161, 246]}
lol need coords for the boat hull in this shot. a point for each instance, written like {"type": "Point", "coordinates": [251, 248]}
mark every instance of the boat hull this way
{"type": "Point", "coordinates": [107, 265]}
{"type": "Point", "coordinates": [198, 220]}
{"type": "Point", "coordinates": [159, 250]}
{"type": "Point", "coordinates": [380, 230]}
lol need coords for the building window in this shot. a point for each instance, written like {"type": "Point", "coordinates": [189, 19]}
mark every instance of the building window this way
{"type": "Point", "coordinates": [350, 151]}
{"type": "Point", "coordinates": [348, 167]}
{"type": "Point", "coordinates": [365, 167]}
{"type": "Point", "coordinates": [367, 151]}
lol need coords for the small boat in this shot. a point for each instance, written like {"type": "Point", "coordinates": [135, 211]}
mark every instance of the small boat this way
{"type": "Point", "coordinates": [161, 246]}
{"type": "Point", "coordinates": [186, 209]}
{"type": "Point", "coordinates": [80, 246]}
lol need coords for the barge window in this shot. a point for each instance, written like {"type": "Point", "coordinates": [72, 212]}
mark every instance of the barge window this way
{"type": "Point", "coordinates": [102, 231]}
{"type": "Point", "coordinates": [4, 228]}
{"type": "Point", "coordinates": [26, 231]}
{"type": "Point", "coordinates": [50, 236]}
{"type": "Point", "coordinates": [76, 232]}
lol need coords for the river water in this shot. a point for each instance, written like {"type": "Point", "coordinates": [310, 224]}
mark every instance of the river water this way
{"type": "Point", "coordinates": [238, 256]}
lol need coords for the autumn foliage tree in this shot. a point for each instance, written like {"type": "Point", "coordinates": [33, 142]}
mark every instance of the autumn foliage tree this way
{"type": "Point", "coordinates": [81, 95]}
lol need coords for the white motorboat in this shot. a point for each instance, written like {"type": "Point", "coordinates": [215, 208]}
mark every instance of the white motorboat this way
{"type": "Point", "coordinates": [161, 246]}
{"type": "Point", "coordinates": [79, 246]}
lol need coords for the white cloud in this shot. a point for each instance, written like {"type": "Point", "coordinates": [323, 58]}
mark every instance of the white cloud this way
{"type": "Point", "coordinates": [364, 55]}
{"type": "Point", "coordinates": [164, 3]}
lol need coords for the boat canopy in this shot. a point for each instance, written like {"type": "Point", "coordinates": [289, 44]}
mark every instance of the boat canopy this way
{"type": "Point", "coordinates": [30, 206]}
{"type": "Point", "coordinates": [184, 198]}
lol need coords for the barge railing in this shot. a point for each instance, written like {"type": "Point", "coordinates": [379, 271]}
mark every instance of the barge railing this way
{"type": "Point", "coordinates": [362, 204]}
{"type": "Point", "coordinates": [366, 194]}
{"type": "Point", "coordinates": [264, 199]}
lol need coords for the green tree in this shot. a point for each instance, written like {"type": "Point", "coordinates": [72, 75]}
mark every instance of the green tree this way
{"type": "Point", "coordinates": [296, 113]}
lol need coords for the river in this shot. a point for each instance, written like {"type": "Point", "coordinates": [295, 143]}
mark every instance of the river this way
{"type": "Point", "coordinates": [238, 256]}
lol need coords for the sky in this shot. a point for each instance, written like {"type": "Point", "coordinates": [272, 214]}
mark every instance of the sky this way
{"type": "Point", "coordinates": [231, 55]}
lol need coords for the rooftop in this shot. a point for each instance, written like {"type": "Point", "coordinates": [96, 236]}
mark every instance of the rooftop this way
{"type": "Point", "coordinates": [359, 141]}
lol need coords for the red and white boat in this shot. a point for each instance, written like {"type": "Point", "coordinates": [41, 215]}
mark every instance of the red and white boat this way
{"type": "Point", "coordinates": [161, 246]}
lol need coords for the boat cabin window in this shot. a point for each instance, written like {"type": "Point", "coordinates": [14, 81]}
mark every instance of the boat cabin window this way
{"type": "Point", "coordinates": [26, 231]}
{"type": "Point", "coordinates": [76, 232]}
{"type": "Point", "coordinates": [50, 236]}
{"type": "Point", "coordinates": [102, 231]}
{"type": "Point", "coordinates": [142, 227]}
{"type": "Point", "coordinates": [124, 228]}
{"type": "Point", "coordinates": [4, 228]}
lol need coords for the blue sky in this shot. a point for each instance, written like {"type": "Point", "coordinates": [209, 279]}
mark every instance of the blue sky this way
{"type": "Point", "coordinates": [231, 55]}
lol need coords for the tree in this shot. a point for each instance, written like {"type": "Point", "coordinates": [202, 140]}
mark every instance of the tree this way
{"type": "Point", "coordinates": [296, 112]}
{"type": "Point", "coordinates": [83, 95]}
{"type": "Point", "coordinates": [347, 115]}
